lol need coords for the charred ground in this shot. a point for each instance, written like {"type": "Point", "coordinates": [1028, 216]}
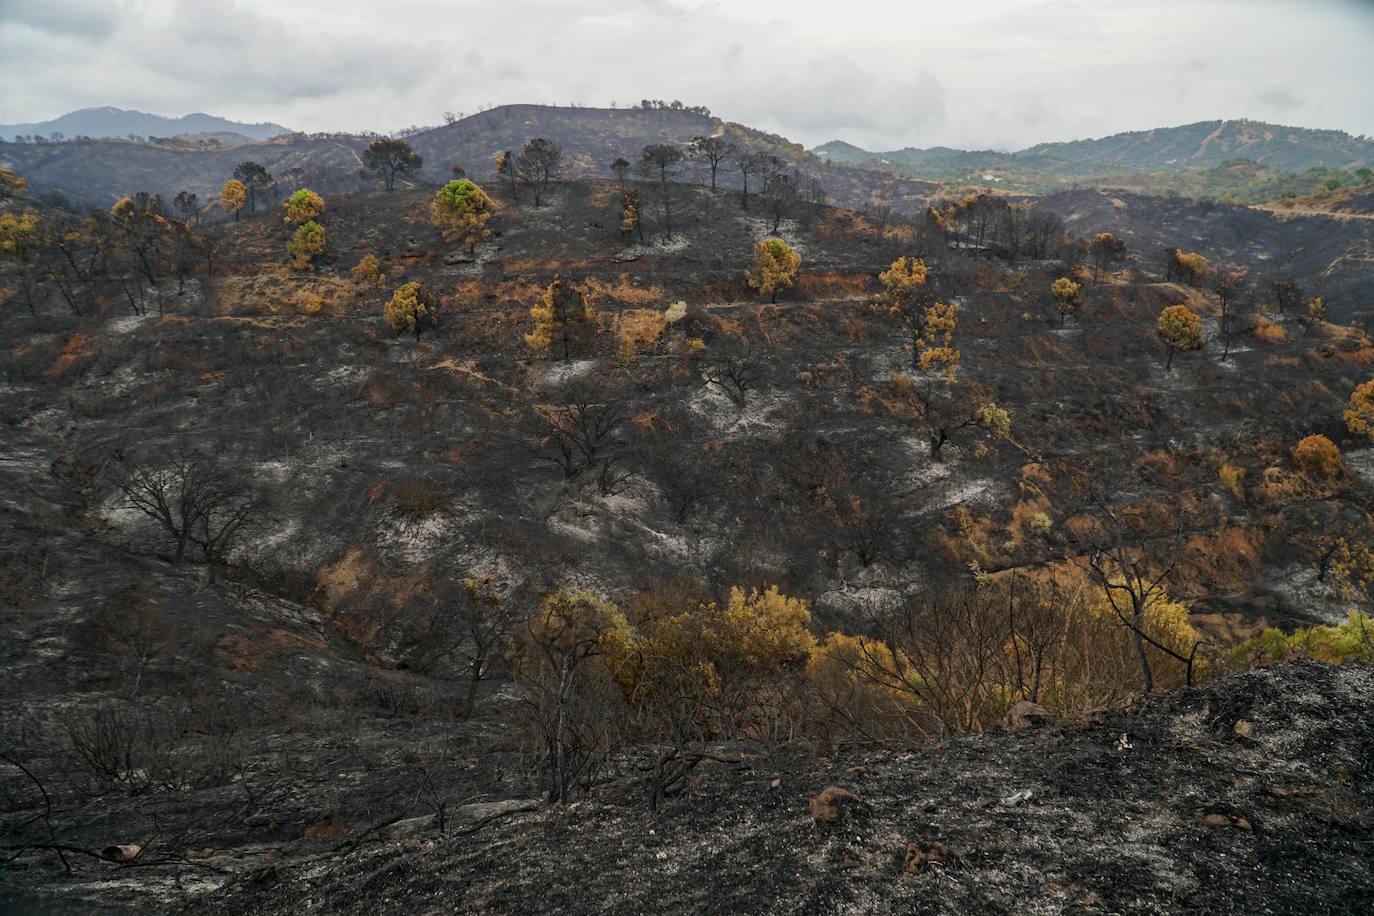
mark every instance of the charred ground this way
{"type": "Point", "coordinates": [296, 689]}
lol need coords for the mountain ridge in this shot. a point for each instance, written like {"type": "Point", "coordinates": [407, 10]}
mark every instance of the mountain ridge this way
{"type": "Point", "coordinates": [110, 122]}
{"type": "Point", "coordinates": [101, 171]}
{"type": "Point", "coordinates": [1201, 144]}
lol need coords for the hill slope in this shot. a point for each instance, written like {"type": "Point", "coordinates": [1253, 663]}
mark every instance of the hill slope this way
{"type": "Point", "coordinates": [121, 122]}
{"type": "Point", "coordinates": [306, 699]}
{"type": "Point", "coordinates": [99, 172]}
{"type": "Point", "coordinates": [1210, 143]}
{"type": "Point", "coordinates": [1173, 807]}
{"type": "Point", "coordinates": [1206, 144]}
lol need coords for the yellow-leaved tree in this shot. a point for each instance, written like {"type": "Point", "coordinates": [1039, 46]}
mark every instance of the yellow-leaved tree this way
{"type": "Point", "coordinates": [1359, 416]}
{"type": "Point", "coordinates": [773, 269]}
{"type": "Point", "coordinates": [233, 197]}
{"type": "Point", "coordinates": [368, 270]}
{"type": "Point", "coordinates": [306, 243]}
{"type": "Point", "coordinates": [11, 185]}
{"type": "Point", "coordinates": [630, 220]}
{"type": "Point", "coordinates": [1064, 292]}
{"type": "Point", "coordinates": [1190, 267]}
{"type": "Point", "coordinates": [767, 628]}
{"type": "Point", "coordinates": [1179, 328]}
{"type": "Point", "coordinates": [562, 314]}
{"type": "Point", "coordinates": [410, 310]}
{"type": "Point", "coordinates": [1318, 456]}
{"type": "Point", "coordinates": [461, 210]}
{"type": "Point", "coordinates": [1316, 312]}
{"type": "Point", "coordinates": [303, 205]}
{"type": "Point", "coordinates": [935, 347]}
{"type": "Point", "coordinates": [694, 672]}
{"type": "Point", "coordinates": [21, 237]}
{"type": "Point", "coordinates": [927, 325]}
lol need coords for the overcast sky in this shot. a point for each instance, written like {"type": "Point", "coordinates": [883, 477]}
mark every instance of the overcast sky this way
{"type": "Point", "coordinates": [976, 73]}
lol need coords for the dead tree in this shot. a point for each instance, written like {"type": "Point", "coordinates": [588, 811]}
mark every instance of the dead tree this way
{"type": "Point", "coordinates": [570, 710]}
{"type": "Point", "coordinates": [1131, 560]}
{"type": "Point", "coordinates": [712, 152]}
{"type": "Point", "coordinates": [748, 164]}
{"type": "Point", "coordinates": [197, 504]}
{"type": "Point", "coordinates": [661, 164]}
{"type": "Point", "coordinates": [577, 434]}
{"type": "Point", "coordinates": [781, 192]}
{"type": "Point", "coordinates": [538, 164]}
{"type": "Point", "coordinates": [736, 372]}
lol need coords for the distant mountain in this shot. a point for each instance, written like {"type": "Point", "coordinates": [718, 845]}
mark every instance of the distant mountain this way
{"type": "Point", "coordinates": [100, 171]}
{"type": "Point", "coordinates": [1210, 143]}
{"type": "Point", "coordinates": [936, 162]}
{"type": "Point", "coordinates": [120, 122]}
{"type": "Point", "coordinates": [1206, 144]}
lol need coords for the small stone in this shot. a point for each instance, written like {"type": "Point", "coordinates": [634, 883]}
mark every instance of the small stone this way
{"type": "Point", "coordinates": [122, 852]}
{"type": "Point", "coordinates": [776, 783]}
{"type": "Point", "coordinates": [831, 803]}
{"type": "Point", "coordinates": [1016, 799]}
{"type": "Point", "coordinates": [1244, 728]}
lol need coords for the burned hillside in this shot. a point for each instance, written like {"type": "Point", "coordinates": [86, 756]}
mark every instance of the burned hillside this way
{"type": "Point", "coordinates": [301, 541]}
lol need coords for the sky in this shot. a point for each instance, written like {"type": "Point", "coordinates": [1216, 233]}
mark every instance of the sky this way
{"type": "Point", "coordinates": [1001, 74]}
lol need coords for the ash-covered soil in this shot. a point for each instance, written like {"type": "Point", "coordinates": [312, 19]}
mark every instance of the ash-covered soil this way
{"type": "Point", "coordinates": [1252, 795]}
{"type": "Point", "coordinates": [294, 738]}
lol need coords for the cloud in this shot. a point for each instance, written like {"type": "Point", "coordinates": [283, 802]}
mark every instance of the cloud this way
{"type": "Point", "coordinates": [1004, 73]}
{"type": "Point", "coordinates": [1277, 98]}
{"type": "Point", "coordinates": [74, 18]}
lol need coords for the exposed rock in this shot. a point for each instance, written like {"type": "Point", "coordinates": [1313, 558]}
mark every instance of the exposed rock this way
{"type": "Point", "coordinates": [1206, 817]}
{"type": "Point", "coordinates": [122, 852]}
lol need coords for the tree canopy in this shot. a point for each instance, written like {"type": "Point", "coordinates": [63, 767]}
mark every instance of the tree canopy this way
{"type": "Point", "coordinates": [306, 243]}
{"type": "Point", "coordinates": [461, 210]}
{"type": "Point", "coordinates": [233, 197]}
{"type": "Point", "coordinates": [1179, 328]}
{"type": "Point", "coordinates": [410, 310]}
{"type": "Point", "coordinates": [390, 158]}
{"type": "Point", "coordinates": [774, 268]}
{"type": "Point", "coordinates": [301, 206]}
